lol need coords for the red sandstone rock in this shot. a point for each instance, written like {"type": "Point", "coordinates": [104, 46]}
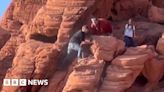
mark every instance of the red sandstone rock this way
{"type": "Point", "coordinates": [160, 46]}
{"type": "Point", "coordinates": [130, 60]}
{"type": "Point", "coordinates": [124, 9]}
{"type": "Point", "coordinates": [4, 37]}
{"type": "Point", "coordinates": [61, 18]}
{"type": "Point", "coordinates": [117, 79]}
{"type": "Point", "coordinates": [156, 14]}
{"type": "Point", "coordinates": [20, 12]}
{"type": "Point", "coordinates": [158, 3]}
{"type": "Point", "coordinates": [123, 72]}
{"type": "Point", "coordinates": [146, 32]}
{"type": "Point", "coordinates": [140, 50]}
{"type": "Point", "coordinates": [32, 63]}
{"type": "Point", "coordinates": [153, 71]}
{"type": "Point", "coordinates": [58, 80]}
{"type": "Point", "coordinates": [7, 54]}
{"type": "Point", "coordinates": [125, 69]}
{"type": "Point", "coordinates": [85, 77]}
{"type": "Point", "coordinates": [106, 47]}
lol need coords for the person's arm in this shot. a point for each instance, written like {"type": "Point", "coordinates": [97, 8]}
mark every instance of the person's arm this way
{"type": "Point", "coordinates": [126, 26]}
{"type": "Point", "coordinates": [88, 40]}
{"type": "Point", "coordinates": [134, 31]}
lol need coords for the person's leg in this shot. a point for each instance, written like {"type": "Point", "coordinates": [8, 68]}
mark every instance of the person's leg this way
{"type": "Point", "coordinates": [126, 40]}
{"type": "Point", "coordinates": [80, 54]}
{"type": "Point", "coordinates": [131, 42]}
{"type": "Point", "coordinates": [78, 48]}
{"type": "Point", "coordinates": [67, 59]}
{"type": "Point", "coordinates": [70, 46]}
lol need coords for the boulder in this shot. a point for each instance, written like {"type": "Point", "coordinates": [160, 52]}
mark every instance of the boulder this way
{"type": "Point", "coordinates": [130, 60]}
{"type": "Point", "coordinates": [140, 50]}
{"type": "Point", "coordinates": [123, 71]}
{"type": "Point", "coordinates": [85, 76]}
{"type": "Point", "coordinates": [106, 47]}
{"type": "Point", "coordinates": [153, 71]}
{"type": "Point", "coordinates": [156, 14]}
{"type": "Point", "coordinates": [116, 73]}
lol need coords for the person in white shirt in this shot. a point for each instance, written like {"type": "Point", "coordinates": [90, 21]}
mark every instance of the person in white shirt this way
{"type": "Point", "coordinates": [129, 34]}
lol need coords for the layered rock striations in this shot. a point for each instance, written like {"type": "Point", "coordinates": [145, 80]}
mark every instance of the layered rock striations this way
{"type": "Point", "coordinates": [35, 33]}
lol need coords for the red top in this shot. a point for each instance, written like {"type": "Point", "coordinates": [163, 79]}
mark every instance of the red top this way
{"type": "Point", "coordinates": [103, 27]}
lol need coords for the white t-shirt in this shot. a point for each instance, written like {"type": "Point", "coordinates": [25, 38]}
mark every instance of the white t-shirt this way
{"type": "Point", "coordinates": [129, 30]}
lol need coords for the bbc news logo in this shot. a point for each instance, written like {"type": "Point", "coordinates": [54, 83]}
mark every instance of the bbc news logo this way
{"type": "Point", "coordinates": [24, 82]}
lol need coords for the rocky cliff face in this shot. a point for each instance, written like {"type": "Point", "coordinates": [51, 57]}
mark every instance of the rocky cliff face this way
{"type": "Point", "coordinates": [34, 35]}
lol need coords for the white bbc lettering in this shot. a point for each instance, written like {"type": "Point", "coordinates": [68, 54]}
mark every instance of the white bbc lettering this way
{"type": "Point", "coordinates": [46, 82]}
{"type": "Point", "coordinates": [40, 82]}
{"type": "Point", "coordinates": [23, 82]}
{"type": "Point", "coordinates": [30, 82]}
{"type": "Point", "coordinates": [34, 82]}
{"type": "Point", "coordinates": [14, 82]}
{"type": "Point", "coordinates": [43, 82]}
{"type": "Point", "coordinates": [6, 82]}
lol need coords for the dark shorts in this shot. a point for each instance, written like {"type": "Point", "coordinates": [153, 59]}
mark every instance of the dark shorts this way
{"type": "Point", "coordinates": [128, 41]}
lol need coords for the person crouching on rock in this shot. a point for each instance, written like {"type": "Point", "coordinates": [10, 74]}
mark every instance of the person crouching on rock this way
{"type": "Point", "coordinates": [100, 26]}
{"type": "Point", "coordinates": [77, 40]}
{"type": "Point", "coordinates": [129, 34]}
{"type": "Point", "coordinates": [75, 44]}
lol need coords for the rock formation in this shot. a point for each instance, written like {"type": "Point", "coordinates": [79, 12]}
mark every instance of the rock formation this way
{"type": "Point", "coordinates": [156, 14]}
{"type": "Point", "coordinates": [4, 37]}
{"type": "Point", "coordinates": [85, 76]}
{"type": "Point", "coordinates": [41, 56]}
{"type": "Point", "coordinates": [104, 51]}
{"type": "Point", "coordinates": [35, 33]}
{"type": "Point", "coordinates": [20, 12]}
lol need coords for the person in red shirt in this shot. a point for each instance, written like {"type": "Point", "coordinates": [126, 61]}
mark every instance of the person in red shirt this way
{"type": "Point", "coordinates": [100, 26]}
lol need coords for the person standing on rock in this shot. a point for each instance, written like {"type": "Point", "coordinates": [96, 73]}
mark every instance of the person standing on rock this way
{"type": "Point", "coordinates": [75, 44]}
{"type": "Point", "coordinates": [100, 26]}
{"type": "Point", "coordinates": [129, 34]}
